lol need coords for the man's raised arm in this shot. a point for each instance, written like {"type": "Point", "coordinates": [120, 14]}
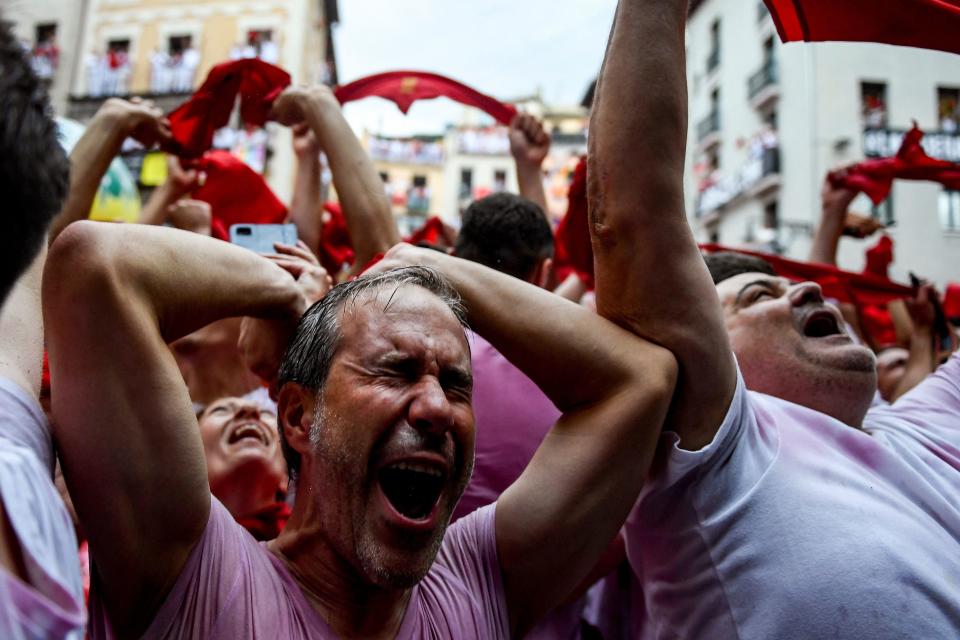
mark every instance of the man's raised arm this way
{"type": "Point", "coordinates": [555, 521]}
{"type": "Point", "coordinates": [114, 296]}
{"type": "Point", "coordinates": [359, 188]}
{"type": "Point", "coordinates": [650, 276]}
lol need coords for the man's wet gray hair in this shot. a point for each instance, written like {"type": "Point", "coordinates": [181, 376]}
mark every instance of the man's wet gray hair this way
{"type": "Point", "coordinates": [315, 342]}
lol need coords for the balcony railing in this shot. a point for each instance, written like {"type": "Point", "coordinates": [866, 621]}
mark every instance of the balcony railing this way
{"type": "Point", "coordinates": [710, 124]}
{"type": "Point", "coordinates": [765, 77]}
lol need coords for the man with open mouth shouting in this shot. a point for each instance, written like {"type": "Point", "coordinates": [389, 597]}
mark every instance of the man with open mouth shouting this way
{"type": "Point", "coordinates": [376, 423]}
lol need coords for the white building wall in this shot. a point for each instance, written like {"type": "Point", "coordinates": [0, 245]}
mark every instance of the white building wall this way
{"type": "Point", "coordinates": [819, 128]}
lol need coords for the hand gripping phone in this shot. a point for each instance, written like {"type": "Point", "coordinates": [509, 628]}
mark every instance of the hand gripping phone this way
{"type": "Point", "coordinates": [261, 237]}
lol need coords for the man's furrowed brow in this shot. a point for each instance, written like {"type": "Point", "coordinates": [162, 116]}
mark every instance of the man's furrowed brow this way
{"type": "Point", "coordinates": [457, 376]}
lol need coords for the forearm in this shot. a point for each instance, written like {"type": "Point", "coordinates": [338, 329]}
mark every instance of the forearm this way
{"type": "Point", "coordinates": [827, 237]}
{"type": "Point", "coordinates": [359, 188]}
{"type": "Point", "coordinates": [185, 281]}
{"type": "Point", "coordinates": [155, 211]}
{"type": "Point", "coordinates": [530, 183]}
{"type": "Point", "coordinates": [572, 288]}
{"type": "Point", "coordinates": [920, 363]}
{"type": "Point", "coordinates": [89, 160]}
{"type": "Point", "coordinates": [645, 69]}
{"type": "Point", "coordinates": [520, 320]}
{"type": "Point", "coordinates": [305, 206]}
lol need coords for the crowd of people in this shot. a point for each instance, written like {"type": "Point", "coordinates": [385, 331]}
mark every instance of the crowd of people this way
{"type": "Point", "coordinates": [200, 441]}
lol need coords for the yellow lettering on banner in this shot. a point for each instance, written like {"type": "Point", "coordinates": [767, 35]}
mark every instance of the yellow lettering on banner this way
{"type": "Point", "coordinates": [408, 85]}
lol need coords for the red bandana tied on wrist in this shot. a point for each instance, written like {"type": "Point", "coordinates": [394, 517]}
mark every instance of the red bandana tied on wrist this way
{"type": "Point", "coordinates": [928, 24]}
{"type": "Point", "coordinates": [875, 177]}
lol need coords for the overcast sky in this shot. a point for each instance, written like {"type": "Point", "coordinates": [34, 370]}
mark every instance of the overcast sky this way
{"type": "Point", "coordinates": [507, 48]}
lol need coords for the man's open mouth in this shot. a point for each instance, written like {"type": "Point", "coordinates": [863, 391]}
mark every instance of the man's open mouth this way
{"type": "Point", "coordinates": [821, 324]}
{"type": "Point", "coordinates": [413, 488]}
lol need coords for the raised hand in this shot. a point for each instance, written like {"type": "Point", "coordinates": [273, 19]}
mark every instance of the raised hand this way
{"type": "Point", "coordinates": [139, 119]}
{"type": "Point", "coordinates": [858, 226]}
{"type": "Point", "coordinates": [312, 279]}
{"type": "Point", "coordinates": [291, 106]}
{"type": "Point", "coordinates": [529, 141]}
{"type": "Point", "coordinates": [182, 181]}
{"type": "Point", "coordinates": [305, 143]}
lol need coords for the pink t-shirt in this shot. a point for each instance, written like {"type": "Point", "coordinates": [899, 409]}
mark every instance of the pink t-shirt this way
{"type": "Point", "coordinates": [791, 524]}
{"type": "Point", "coordinates": [513, 416]}
{"type": "Point", "coordinates": [233, 588]}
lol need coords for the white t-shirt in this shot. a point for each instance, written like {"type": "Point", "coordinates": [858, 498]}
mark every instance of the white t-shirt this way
{"type": "Point", "coordinates": [51, 606]}
{"type": "Point", "coordinates": [791, 524]}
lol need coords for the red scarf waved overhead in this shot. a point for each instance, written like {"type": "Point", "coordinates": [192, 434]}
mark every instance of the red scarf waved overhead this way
{"type": "Point", "coordinates": [875, 177]}
{"type": "Point", "coordinates": [404, 88]}
{"type": "Point", "coordinates": [255, 82]}
{"type": "Point", "coordinates": [928, 24]}
{"type": "Point", "coordinates": [236, 193]}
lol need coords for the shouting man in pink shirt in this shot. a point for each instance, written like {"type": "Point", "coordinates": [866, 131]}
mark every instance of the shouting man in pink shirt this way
{"type": "Point", "coordinates": [376, 420]}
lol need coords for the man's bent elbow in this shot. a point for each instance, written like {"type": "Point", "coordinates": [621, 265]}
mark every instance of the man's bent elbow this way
{"type": "Point", "coordinates": [78, 267]}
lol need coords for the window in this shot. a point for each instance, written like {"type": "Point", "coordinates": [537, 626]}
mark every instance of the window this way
{"type": "Point", "coordinates": [45, 56]}
{"type": "Point", "coordinates": [713, 60]}
{"type": "Point", "coordinates": [260, 44]}
{"type": "Point", "coordinates": [884, 211]}
{"type": "Point", "coordinates": [46, 33]}
{"type": "Point", "coordinates": [771, 216]}
{"type": "Point", "coordinates": [948, 109]}
{"type": "Point", "coordinates": [176, 45]}
{"type": "Point", "coordinates": [873, 104]}
{"type": "Point", "coordinates": [713, 158]}
{"type": "Point", "coordinates": [499, 180]}
{"type": "Point", "coordinates": [950, 210]}
{"type": "Point", "coordinates": [418, 197]}
{"type": "Point", "coordinates": [466, 183]}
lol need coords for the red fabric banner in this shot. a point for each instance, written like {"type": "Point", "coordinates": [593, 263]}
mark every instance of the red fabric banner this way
{"type": "Point", "coordinates": [406, 87]}
{"type": "Point", "coordinates": [875, 177]}
{"type": "Point", "coordinates": [928, 24]}
{"type": "Point", "coordinates": [236, 193]}
{"type": "Point", "coordinates": [572, 251]}
{"type": "Point", "coordinates": [257, 83]}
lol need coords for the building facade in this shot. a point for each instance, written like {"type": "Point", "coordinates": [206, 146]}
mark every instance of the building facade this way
{"type": "Point", "coordinates": [163, 49]}
{"type": "Point", "coordinates": [441, 175]}
{"type": "Point", "coordinates": [767, 121]}
{"type": "Point", "coordinates": [50, 31]}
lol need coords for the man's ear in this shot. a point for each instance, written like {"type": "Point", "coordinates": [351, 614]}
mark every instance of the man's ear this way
{"type": "Point", "coordinates": [543, 273]}
{"type": "Point", "coordinates": [295, 413]}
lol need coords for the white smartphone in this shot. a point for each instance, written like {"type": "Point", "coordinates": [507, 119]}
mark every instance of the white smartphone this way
{"type": "Point", "coordinates": [261, 237]}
